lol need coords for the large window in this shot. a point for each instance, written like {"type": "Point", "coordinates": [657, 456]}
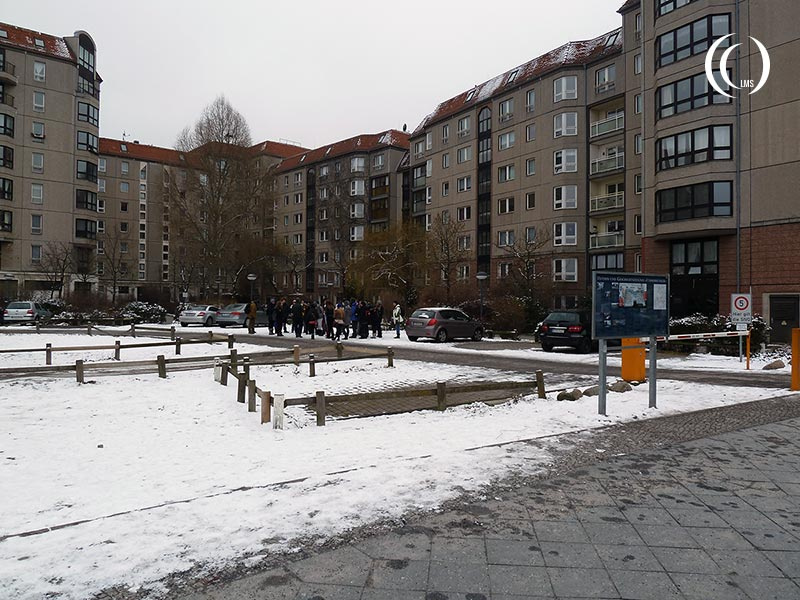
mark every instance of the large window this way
{"type": "Point", "coordinates": [86, 200]}
{"type": "Point", "coordinates": [565, 269]}
{"type": "Point", "coordinates": [565, 196]}
{"type": "Point", "coordinates": [464, 154]}
{"type": "Point", "coordinates": [506, 173]}
{"type": "Point", "coordinates": [565, 161]}
{"type": "Point", "coordinates": [506, 140]}
{"type": "Point", "coordinates": [565, 124]}
{"type": "Point", "coordinates": [85, 228]}
{"type": "Point", "coordinates": [565, 88]}
{"type": "Point", "coordinates": [667, 6]}
{"type": "Point", "coordinates": [694, 258]}
{"type": "Point", "coordinates": [604, 78]}
{"type": "Point", "coordinates": [6, 188]}
{"type": "Point", "coordinates": [608, 262]}
{"type": "Point", "coordinates": [87, 141]}
{"type": "Point", "coordinates": [6, 157]}
{"type": "Point", "coordinates": [695, 201]}
{"type": "Point", "coordinates": [7, 125]}
{"type": "Point", "coordinates": [688, 94]}
{"type": "Point", "coordinates": [565, 234]}
{"type": "Point", "coordinates": [698, 145]}
{"type": "Point", "coordinates": [87, 170]}
{"type": "Point", "coordinates": [691, 39]}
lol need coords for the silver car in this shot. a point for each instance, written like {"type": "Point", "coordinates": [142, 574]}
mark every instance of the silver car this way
{"type": "Point", "coordinates": [25, 312]}
{"type": "Point", "coordinates": [442, 324]}
{"type": "Point", "coordinates": [236, 314]}
{"type": "Point", "coordinates": [198, 314]}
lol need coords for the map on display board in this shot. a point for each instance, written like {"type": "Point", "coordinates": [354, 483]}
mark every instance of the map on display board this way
{"type": "Point", "coordinates": [629, 305]}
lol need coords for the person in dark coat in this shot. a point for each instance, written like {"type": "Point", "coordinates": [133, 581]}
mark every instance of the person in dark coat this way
{"type": "Point", "coordinates": [354, 317]}
{"type": "Point", "coordinates": [270, 310]}
{"type": "Point", "coordinates": [297, 318]}
{"type": "Point", "coordinates": [376, 319]}
{"type": "Point", "coordinates": [311, 319]}
{"type": "Point", "coordinates": [279, 317]}
{"type": "Point", "coordinates": [363, 320]}
{"type": "Point", "coordinates": [329, 329]}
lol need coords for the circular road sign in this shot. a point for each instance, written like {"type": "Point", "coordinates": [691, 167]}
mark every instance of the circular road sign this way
{"type": "Point", "coordinates": [741, 303]}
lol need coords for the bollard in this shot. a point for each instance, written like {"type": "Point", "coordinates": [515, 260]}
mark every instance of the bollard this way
{"type": "Point", "coordinates": [246, 366]}
{"type": "Point", "coordinates": [79, 371]}
{"type": "Point", "coordinates": [234, 359]}
{"type": "Point", "coordinates": [390, 357]}
{"type": "Point", "coordinates": [133, 329]}
{"type": "Point", "coordinates": [117, 349]}
{"type": "Point", "coordinates": [277, 416]}
{"type": "Point", "coordinates": [633, 354]}
{"type": "Point", "coordinates": [266, 398]}
{"type": "Point", "coordinates": [251, 395]}
{"type": "Point", "coordinates": [162, 366]}
{"type": "Point", "coordinates": [177, 345]}
{"type": "Point", "coordinates": [89, 329]}
{"type": "Point", "coordinates": [48, 354]}
{"type": "Point", "coordinates": [540, 384]}
{"type": "Point", "coordinates": [231, 340]}
{"type": "Point", "coordinates": [172, 332]}
{"type": "Point", "coordinates": [312, 368]}
{"type": "Point", "coordinates": [339, 349]}
{"type": "Point", "coordinates": [796, 360]}
{"type": "Point", "coordinates": [441, 396]}
{"type": "Point", "coordinates": [296, 355]}
{"type": "Point", "coordinates": [37, 326]}
{"type": "Point", "coordinates": [223, 380]}
{"type": "Point", "coordinates": [242, 388]}
{"type": "Point", "coordinates": [320, 409]}
{"type": "Point", "coordinates": [210, 337]}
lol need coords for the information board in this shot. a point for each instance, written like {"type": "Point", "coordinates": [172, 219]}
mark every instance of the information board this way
{"type": "Point", "coordinates": [741, 308]}
{"type": "Point", "coordinates": [629, 305]}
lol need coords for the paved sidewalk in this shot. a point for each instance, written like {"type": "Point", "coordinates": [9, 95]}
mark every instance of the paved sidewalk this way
{"type": "Point", "coordinates": [714, 518]}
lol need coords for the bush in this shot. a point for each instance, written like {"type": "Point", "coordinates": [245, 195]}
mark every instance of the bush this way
{"type": "Point", "coordinates": [699, 323]}
{"type": "Point", "coordinates": [143, 312]}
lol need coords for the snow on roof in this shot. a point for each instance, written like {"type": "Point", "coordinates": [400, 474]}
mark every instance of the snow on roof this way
{"type": "Point", "coordinates": [365, 142]}
{"type": "Point", "coordinates": [34, 41]}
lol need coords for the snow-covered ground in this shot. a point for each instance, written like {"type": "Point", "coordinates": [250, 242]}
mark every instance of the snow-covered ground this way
{"type": "Point", "coordinates": [172, 473]}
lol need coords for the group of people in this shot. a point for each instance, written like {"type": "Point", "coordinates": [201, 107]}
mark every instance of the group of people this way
{"type": "Point", "coordinates": [355, 318]}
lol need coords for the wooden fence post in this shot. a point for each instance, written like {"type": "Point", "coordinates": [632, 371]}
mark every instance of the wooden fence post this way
{"type": "Point", "coordinates": [89, 329]}
{"type": "Point", "coordinates": [234, 364]}
{"type": "Point", "coordinates": [177, 345]}
{"type": "Point", "coordinates": [162, 366]}
{"type": "Point", "coordinates": [277, 416]}
{"type": "Point", "coordinates": [540, 384]}
{"type": "Point", "coordinates": [312, 367]}
{"type": "Point", "coordinates": [117, 349]}
{"type": "Point", "coordinates": [251, 395]}
{"type": "Point", "coordinates": [79, 371]}
{"type": "Point", "coordinates": [37, 327]}
{"type": "Point", "coordinates": [210, 337]}
{"type": "Point", "coordinates": [224, 379]}
{"type": "Point", "coordinates": [296, 355]}
{"type": "Point", "coordinates": [172, 332]}
{"type": "Point", "coordinates": [246, 367]}
{"type": "Point", "coordinates": [231, 340]}
{"type": "Point", "coordinates": [441, 396]}
{"type": "Point", "coordinates": [339, 349]}
{"type": "Point", "coordinates": [390, 357]}
{"type": "Point", "coordinates": [242, 388]}
{"type": "Point", "coordinates": [266, 398]}
{"type": "Point", "coordinates": [48, 354]}
{"type": "Point", "coordinates": [133, 329]}
{"type": "Point", "coordinates": [320, 408]}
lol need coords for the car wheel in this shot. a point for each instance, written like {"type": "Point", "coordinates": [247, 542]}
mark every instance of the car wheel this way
{"type": "Point", "coordinates": [209, 322]}
{"type": "Point", "coordinates": [222, 325]}
{"type": "Point", "coordinates": [585, 346]}
{"type": "Point", "coordinates": [413, 338]}
{"type": "Point", "coordinates": [547, 347]}
{"type": "Point", "coordinates": [478, 335]}
{"type": "Point", "coordinates": [441, 335]}
{"type": "Point", "coordinates": [184, 324]}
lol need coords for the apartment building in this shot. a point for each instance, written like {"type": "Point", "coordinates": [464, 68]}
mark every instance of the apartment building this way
{"type": "Point", "coordinates": [49, 118]}
{"type": "Point", "coordinates": [327, 200]}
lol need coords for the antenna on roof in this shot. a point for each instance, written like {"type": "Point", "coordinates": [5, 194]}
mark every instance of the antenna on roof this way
{"type": "Point", "coordinates": [405, 127]}
{"type": "Point", "coordinates": [124, 135]}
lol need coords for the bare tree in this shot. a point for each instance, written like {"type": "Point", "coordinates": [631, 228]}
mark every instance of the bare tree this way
{"type": "Point", "coordinates": [393, 258]}
{"type": "Point", "coordinates": [84, 268]}
{"type": "Point", "coordinates": [55, 262]}
{"type": "Point", "coordinates": [525, 280]}
{"type": "Point", "coordinates": [446, 250]}
{"type": "Point", "coordinates": [113, 265]}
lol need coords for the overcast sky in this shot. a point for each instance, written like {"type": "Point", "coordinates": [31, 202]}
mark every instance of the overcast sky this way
{"type": "Point", "coordinates": [311, 72]}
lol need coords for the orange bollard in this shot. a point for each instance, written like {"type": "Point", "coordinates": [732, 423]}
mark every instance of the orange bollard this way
{"type": "Point", "coordinates": [796, 360]}
{"type": "Point", "coordinates": [633, 355]}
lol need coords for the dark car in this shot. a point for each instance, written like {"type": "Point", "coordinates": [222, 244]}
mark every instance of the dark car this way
{"type": "Point", "coordinates": [442, 324]}
{"type": "Point", "coordinates": [571, 328]}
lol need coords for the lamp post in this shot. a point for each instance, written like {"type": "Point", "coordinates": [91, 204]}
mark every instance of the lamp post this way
{"type": "Point", "coordinates": [481, 277]}
{"type": "Point", "coordinates": [252, 279]}
{"type": "Point", "coordinates": [219, 289]}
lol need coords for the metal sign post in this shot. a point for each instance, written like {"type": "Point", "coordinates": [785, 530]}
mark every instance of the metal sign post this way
{"type": "Point", "coordinates": [741, 314]}
{"type": "Point", "coordinates": [652, 378]}
{"type": "Point", "coordinates": [601, 396]}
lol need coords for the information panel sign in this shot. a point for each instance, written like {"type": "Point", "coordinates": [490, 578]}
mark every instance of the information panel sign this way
{"type": "Point", "coordinates": [629, 305]}
{"type": "Point", "coordinates": [741, 308]}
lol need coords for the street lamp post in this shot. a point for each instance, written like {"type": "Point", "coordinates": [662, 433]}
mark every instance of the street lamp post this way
{"type": "Point", "coordinates": [252, 279]}
{"type": "Point", "coordinates": [481, 277]}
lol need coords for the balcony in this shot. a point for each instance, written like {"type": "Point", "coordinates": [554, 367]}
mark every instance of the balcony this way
{"type": "Point", "coordinates": [606, 240]}
{"type": "Point", "coordinates": [378, 192]}
{"type": "Point", "coordinates": [608, 125]}
{"type": "Point", "coordinates": [8, 73]}
{"type": "Point", "coordinates": [606, 165]}
{"type": "Point", "coordinates": [609, 202]}
{"type": "Point", "coordinates": [7, 99]}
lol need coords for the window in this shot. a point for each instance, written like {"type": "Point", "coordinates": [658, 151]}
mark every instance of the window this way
{"type": "Point", "coordinates": [125, 166]}
{"type": "Point", "coordinates": [565, 234]}
{"type": "Point", "coordinates": [565, 124]}
{"type": "Point", "coordinates": [463, 126]}
{"type": "Point", "coordinates": [39, 70]}
{"type": "Point", "coordinates": [565, 161]}
{"type": "Point", "coordinates": [530, 234]}
{"type": "Point", "coordinates": [37, 193]}
{"type": "Point", "coordinates": [506, 173]}
{"type": "Point", "coordinates": [297, 239]}
{"type": "Point", "coordinates": [123, 207]}
{"type": "Point", "coordinates": [445, 160]}
{"type": "Point", "coordinates": [464, 242]}
{"type": "Point", "coordinates": [530, 200]}
{"type": "Point", "coordinates": [464, 183]}
{"type": "Point", "coordinates": [637, 143]}
{"type": "Point", "coordinates": [445, 188]}
{"type": "Point", "coordinates": [357, 165]}
{"type": "Point", "coordinates": [86, 200]}
{"type": "Point", "coordinates": [506, 109]}
{"type": "Point", "coordinates": [324, 235]}
{"type": "Point", "coordinates": [429, 140]}
{"type": "Point", "coordinates": [323, 257]}
{"type": "Point", "coordinates": [530, 132]}
{"type": "Point", "coordinates": [565, 196]}
{"type": "Point", "coordinates": [6, 157]}
{"type": "Point", "coordinates": [85, 56]}
{"type": "Point", "coordinates": [357, 233]}
{"type": "Point", "coordinates": [689, 94]}
{"type": "Point", "coordinates": [298, 178]}
{"type": "Point", "coordinates": [505, 140]}
{"type": "Point", "coordinates": [530, 166]}
{"type": "Point", "coordinates": [124, 187]}
{"type": "Point", "coordinates": [464, 154]}
{"type": "Point", "coordinates": [696, 146]}
{"type": "Point", "coordinates": [6, 188]}
{"type": "Point", "coordinates": [87, 141]}
{"type": "Point", "coordinates": [505, 238]}
{"type": "Point", "coordinates": [88, 113]}
{"type": "Point", "coordinates": [565, 88]}
{"type": "Point", "coordinates": [637, 224]}
{"type": "Point", "coordinates": [565, 269]}
{"type": "Point", "coordinates": [698, 257]}
{"type": "Point", "coordinates": [604, 78]}
{"type": "Point", "coordinates": [84, 228]}
{"type": "Point", "coordinates": [101, 165]}
{"type": "Point", "coordinates": [691, 39]}
{"type": "Point", "coordinates": [298, 218]}
{"type": "Point", "coordinates": [637, 64]}
{"type": "Point", "coordinates": [323, 214]}
{"type": "Point", "coordinates": [357, 210]}
{"type": "Point", "coordinates": [38, 101]}
{"type": "Point", "coordinates": [101, 205]}
{"type": "Point", "coordinates": [378, 161]}
{"type": "Point", "coordinates": [37, 162]}
{"type": "Point", "coordinates": [101, 227]}
{"type": "Point", "coordinates": [667, 6]}
{"type": "Point", "coordinates": [530, 100]}
{"type": "Point", "coordinates": [419, 148]}
{"type": "Point", "coordinates": [696, 201]}
{"type": "Point", "coordinates": [298, 197]}
{"type": "Point", "coordinates": [123, 227]}
{"type": "Point", "coordinates": [445, 133]}
{"type": "Point", "coordinates": [464, 213]}
{"type": "Point", "coordinates": [7, 125]}
{"type": "Point", "coordinates": [357, 187]}
{"type": "Point", "coordinates": [37, 131]}
{"type": "Point", "coordinates": [637, 183]}
{"type": "Point", "coordinates": [428, 168]}
{"type": "Point", "coordinates": [36, 252]}
{"type": "Point", "coordinates": [505, 206]}
{"type": "Point", "coordinates": [637, 104]}
{"type": "Point", "coordinates": [608, 262]}
{"type": "Point", "coordinates": [285, 220]}
{"type": "Point", "coordinates": [36, 224]}
{"type": "Point", "coordinates": [323, 171]}
{"type": "Point", "coordinates": [428, 222]}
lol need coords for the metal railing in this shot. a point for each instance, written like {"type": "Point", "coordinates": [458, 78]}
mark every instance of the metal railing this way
{"type": "Point", "coordinates": [7, 67]}
{"type": "Point", "coordinates": [606, 240]}
{"type": "Point", "coordinates": [607, 202]}
{"type": "Point", "coordinates": [7, 99]}
{"type": "Point", "coordinates": [603, 165]}
{"type": "Point", "coordinates": [608, 125]}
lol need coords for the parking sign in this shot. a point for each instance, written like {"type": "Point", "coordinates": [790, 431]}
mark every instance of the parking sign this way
{"type": "Point", "coordinates": [741, 308]}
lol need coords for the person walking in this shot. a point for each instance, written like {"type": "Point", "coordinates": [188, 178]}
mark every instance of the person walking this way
{"type": "Point", "coordinates": [252, 309]}
{"type": "Point", "coordinates": [377, 319]}
{"type": "Point", "coordinates": [397, 318]}
{"type": "Point", "coordinates": [338, 322]}
{"type": "Point", "coordinates": [354, 317]}
{"type": "Point", "coordinates": [285, 309]}
{"type": "Point", "coordinates": [279, 317]}
{"type": "Point", "coordinates": [270, 310]}
{"type": "Point", "coordinates": [297, 318]}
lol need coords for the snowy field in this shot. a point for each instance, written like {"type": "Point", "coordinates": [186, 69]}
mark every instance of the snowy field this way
{"type": "Point", "coordinates": [168, 474]}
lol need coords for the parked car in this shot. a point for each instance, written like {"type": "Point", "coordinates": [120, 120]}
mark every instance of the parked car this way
{"type": "Point", "coordinates": [567, 328]}
{"type": "Point", "coordinates": [236, 315]}
{"type": "Point", "coordinates": [198, 314]}
{"type": "Point", "coordinates": [442, 324]}
{"type": "Point", "coordinates": [25, 312]}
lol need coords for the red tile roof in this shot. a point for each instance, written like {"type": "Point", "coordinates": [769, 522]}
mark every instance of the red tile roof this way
{"type": "Point", "coordinates": [109, 147]}
{"type": "Point", "coordinates": [366, 142]}
{"type": "Point", "coordinates": [277, 149]}
{"type": "Point", "coordinates": [25, 39]}
{"type": "Point", "coordinates": [571, 54]}
{"type": "Point", "coordinates": [629, 5]}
